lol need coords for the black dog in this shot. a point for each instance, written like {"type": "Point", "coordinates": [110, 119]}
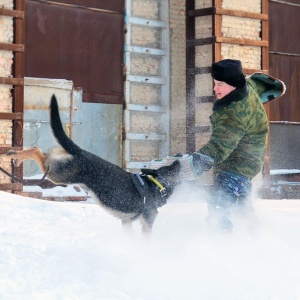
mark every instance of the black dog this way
{"type": "Point", "coordinates": [127, 196]}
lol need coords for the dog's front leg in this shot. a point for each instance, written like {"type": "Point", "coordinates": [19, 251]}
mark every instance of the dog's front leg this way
{"type": "Point", "coordinates": [147, 218]}
{"type": "Point", "coordinates": [127, 225]}
{"type": "Point", "coordinates": [33, 153]}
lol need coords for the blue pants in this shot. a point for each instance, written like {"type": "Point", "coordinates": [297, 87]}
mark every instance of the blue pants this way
{"type": "Point", "coordinates": [229, 190]}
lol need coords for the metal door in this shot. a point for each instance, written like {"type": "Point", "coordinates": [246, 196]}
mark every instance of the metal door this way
{"type": "Point", "coordinates": [78, 40]}
{"type": "Point", "coordinates": [285, 57]}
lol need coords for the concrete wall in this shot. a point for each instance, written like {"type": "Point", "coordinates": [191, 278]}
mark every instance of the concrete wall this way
{"type": "Point", "coordinates": [285, 141]}
{"type": "Point", "coordinates": [94, 127]}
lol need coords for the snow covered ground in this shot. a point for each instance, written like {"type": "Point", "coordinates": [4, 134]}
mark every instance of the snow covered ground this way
{"type": "Point", "coordinates": [69, 251]}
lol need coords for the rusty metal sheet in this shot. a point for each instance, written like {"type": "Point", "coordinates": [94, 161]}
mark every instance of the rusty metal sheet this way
{"type": "Point", "coordinates": [286, 108]}
{"type": "Point", "coordinates": [284, 58]}
{"type": "Point", "coordinates": [82, 45]}
{"type": "Point", "coordinates": [112, 5]}
{"type": "Point", "coordinates": [284, 26]}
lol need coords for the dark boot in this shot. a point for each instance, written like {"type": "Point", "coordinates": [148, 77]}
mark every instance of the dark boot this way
{"type": "Point", "coordinates": [229, 190]}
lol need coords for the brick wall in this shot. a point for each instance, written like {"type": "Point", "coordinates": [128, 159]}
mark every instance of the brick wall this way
{"type": "Point", "coordinates": [177, 76]}
{"type": "Point", "coordinates": [146, 9]}
{"type": "Point", "coordinates": [204, 83]}
{"type": "Point", "coordinates": [6, 61]}
{"type": "Point", "coordinates": [231, 27]}
{"type": "Point", "coordinates": [245, 28]}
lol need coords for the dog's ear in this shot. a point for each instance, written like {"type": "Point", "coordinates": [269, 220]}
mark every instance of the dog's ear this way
{"type": "Point", "coordinates": [171, 170]}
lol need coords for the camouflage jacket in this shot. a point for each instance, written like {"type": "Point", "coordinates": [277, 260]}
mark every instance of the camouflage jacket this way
{"type": "Point", "coordinates": [239, 132]}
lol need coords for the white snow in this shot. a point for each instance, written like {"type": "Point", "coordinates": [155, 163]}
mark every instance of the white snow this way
{"type": "Point", "coordinates": [58, 191]}
{"type": "Point", "coordinates": [59, 250]}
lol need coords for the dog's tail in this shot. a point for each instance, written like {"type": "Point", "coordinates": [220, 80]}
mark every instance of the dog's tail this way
{"type": "Point", "coordinates": [58, 130]}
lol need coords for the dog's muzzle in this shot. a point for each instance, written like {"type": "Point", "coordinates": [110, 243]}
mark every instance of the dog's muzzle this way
{"type": "Point", "coordinates": [187, 171]}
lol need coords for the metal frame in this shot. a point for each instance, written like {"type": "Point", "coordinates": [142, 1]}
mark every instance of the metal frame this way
{"type": "Point", "coordinates": [163, 80]}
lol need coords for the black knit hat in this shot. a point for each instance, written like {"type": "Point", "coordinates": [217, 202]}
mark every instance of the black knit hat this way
{"type": "Point", "coordinates": [229, 71]}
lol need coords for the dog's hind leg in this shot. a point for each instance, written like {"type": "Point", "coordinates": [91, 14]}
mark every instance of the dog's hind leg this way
{"type": "Point", "coordinates": [33, 153]}
{"type": "Point", "coordinates": [127, 225]}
